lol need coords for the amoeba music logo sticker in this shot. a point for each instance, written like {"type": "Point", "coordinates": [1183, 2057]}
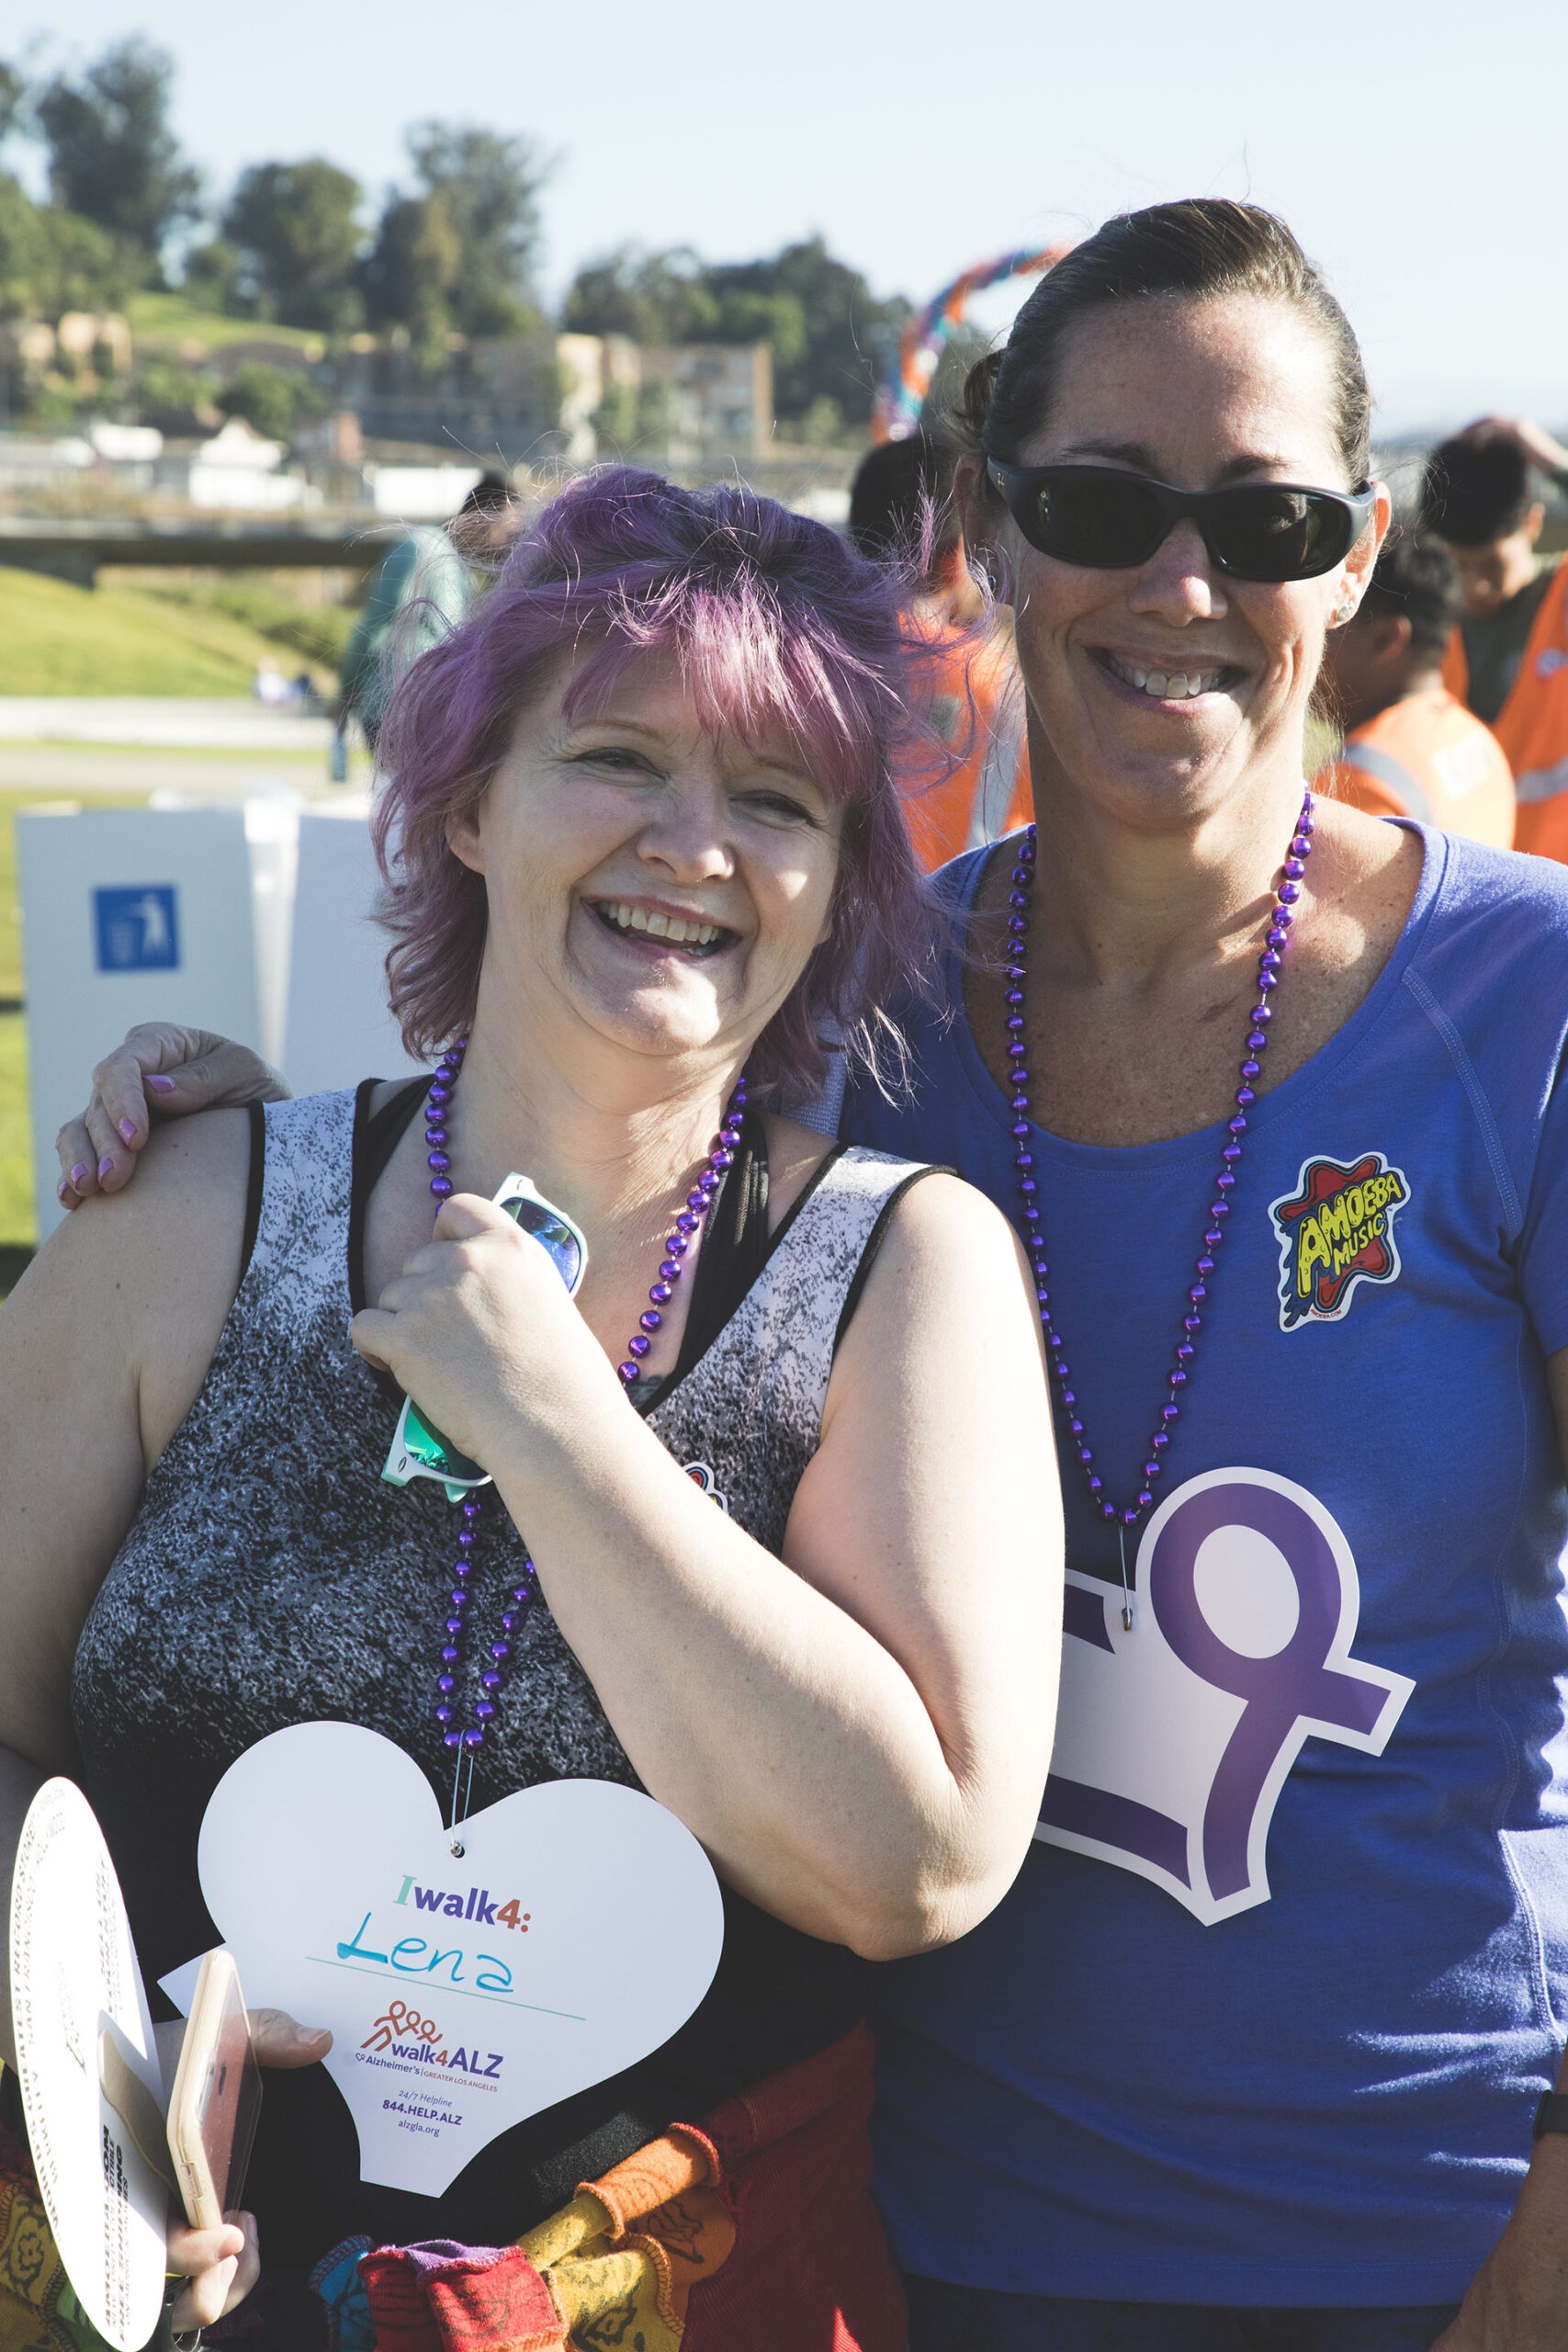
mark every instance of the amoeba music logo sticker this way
{"type": "Point", "coordinates": [1335, 1230]}
{"type": "Point", "coordinates": [1174, 1741]}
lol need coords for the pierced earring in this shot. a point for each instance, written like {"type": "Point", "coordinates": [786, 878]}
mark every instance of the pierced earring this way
{"type": "Point", "coordinates": [1341, 614]}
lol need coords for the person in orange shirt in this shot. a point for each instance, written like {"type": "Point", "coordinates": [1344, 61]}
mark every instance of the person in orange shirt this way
{"type": "Point", "coordinates": [1508, 658]}
{"type": "Point", "coordinates": [977, 695]}
{"type": "Point", "coordinates": [1411, 748]}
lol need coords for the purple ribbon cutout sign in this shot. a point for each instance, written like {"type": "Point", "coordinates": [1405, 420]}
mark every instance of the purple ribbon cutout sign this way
{"type": "Point", "coordinates": [1158, 1768]}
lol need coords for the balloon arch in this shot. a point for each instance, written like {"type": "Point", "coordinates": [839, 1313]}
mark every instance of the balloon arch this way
{"type": "Point", "coordinates": [897, 412]}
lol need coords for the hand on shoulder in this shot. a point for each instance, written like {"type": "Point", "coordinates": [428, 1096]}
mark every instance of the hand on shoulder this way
{"type": "Point", "coordinates": [161, 1070]}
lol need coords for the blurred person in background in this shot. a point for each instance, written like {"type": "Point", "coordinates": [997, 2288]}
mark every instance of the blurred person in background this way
{"type": "Point", "coordinates": [902, 490]}
{"type": "Point", "coordinates": [422, 588]}
{"type": "Point", "coordinates": [1411, 748]}
{"type": "Point", "coordinates": [1508, 658]}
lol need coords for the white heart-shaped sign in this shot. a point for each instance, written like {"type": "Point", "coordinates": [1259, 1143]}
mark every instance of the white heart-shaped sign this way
{"type": "Point", "coordinates": [470, 1977]}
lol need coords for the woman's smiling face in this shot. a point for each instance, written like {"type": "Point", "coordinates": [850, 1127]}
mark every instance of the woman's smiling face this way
{"type": "Point", "coordinates": [649, 883]}
{"type": "Point", "coordinates": [1161, 689]}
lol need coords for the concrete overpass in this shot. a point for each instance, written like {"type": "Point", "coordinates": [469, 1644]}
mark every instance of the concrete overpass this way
{"type": "Point", "coordinates": [76, 548]}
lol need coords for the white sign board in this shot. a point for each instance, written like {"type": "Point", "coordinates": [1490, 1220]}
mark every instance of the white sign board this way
{"type": "Point", "coordinates": [470, 1977]}
{"type": "Point", "coordinates": [338, 1029]}
{"type": "Point", "coordinates": [144, 914]}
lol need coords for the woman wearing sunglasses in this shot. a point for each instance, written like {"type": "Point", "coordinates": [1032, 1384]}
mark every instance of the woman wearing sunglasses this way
{"type": "Point", "coordinates": [764, 1465]}
{"type": "Point", "coordinates": [1251, 2054]}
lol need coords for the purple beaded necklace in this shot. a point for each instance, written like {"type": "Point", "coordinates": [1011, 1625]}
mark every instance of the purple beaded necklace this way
{"type": "Point", "coordinates": [687, 1224]}
{"type": "Point", "coordinates": [1269, 963]}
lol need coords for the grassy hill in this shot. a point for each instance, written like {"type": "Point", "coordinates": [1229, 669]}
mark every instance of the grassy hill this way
{"type": "Point", "coordinates": [57, 640]}
{"type": "Point", "coordinates": [168, 321]}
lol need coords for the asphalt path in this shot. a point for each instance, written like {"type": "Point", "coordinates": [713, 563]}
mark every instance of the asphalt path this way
{"type": "Point", "coordinates": [163, 722]}
{"type": "Point", "coordinates": [71, 771]}
{"type": "Point", "coordinates": [77, 745]}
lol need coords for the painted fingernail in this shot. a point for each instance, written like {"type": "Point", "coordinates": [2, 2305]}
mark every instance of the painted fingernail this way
{"type": "Point", "coordinates": [106, 1168]}
{"type": "Point", "coordinates": [80, 1170]}
{"type": "Point", "coordinates": [128, 1129]}
{"type": "Point", "coordinates": [61, 1190]}
{"type": "Point", "coordinates": [159, 1084]}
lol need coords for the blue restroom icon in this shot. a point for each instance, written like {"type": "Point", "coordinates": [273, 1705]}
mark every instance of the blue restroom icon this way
{"type": "Point", "coordinates": [137, 930]}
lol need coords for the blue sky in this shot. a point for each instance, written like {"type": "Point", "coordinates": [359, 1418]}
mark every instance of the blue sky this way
{"type": "Point", "coordinates": [1417, 149]}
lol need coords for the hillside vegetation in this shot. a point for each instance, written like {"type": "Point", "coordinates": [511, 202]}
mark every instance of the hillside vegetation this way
{"type": "Point", "coordinates": [59, 639]}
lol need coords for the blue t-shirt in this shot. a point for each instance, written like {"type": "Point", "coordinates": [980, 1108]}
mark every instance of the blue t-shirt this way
{"type": "Point", "coordinates": [1266, 2014]}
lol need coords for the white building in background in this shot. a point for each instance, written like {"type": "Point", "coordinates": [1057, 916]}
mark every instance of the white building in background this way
{"type": "Point", "coordinates": [238, 470]}
{"type": "Point", "coordinates": [420, 493]}
{"type": "Point", "coordinates": [125, 445]}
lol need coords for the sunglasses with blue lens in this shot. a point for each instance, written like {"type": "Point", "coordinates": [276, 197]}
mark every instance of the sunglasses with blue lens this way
{"type": "Point", "coordinates": [419, 1449]}
{"type": "Point", "coordinates": [1105, 520]}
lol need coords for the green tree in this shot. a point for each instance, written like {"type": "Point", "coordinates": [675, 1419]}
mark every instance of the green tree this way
{"type": "Point", "coordinates": [211, 276]}
{"type": "Point", "coordinates": [457, 258]}
{"type": "Point", "coordinates": [83, 267]}
{"type": "Point", "coordinates": [51, 260]}
{"type": "Point", "coordinates": [177, 400]}
{"type": "Point", "coordinates": [657, 299]}
{"type": "Point", "coordinates": [410, 276]}
{"type": "Point", "coordinates": [13, 99]}
{"type": "Point", "coordinates": [112, 156]}
{"type": "Point", "coordinates": [295, 229]}
{"type": "Point", "coordinates": [268, 398]}
{"type": "Point", "coordinates": [848, 334]}
{"type": "Point", "coordinates": [830, 336]}
{"type": "Point", "coordinates": [18, 248]}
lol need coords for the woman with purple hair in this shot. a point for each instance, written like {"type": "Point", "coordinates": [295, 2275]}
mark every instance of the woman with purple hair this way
{"type": "Point", "coordinates": [642, 846]}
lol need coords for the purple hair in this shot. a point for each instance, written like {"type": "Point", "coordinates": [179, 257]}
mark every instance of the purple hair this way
{"type": "Point", "coordinates": [775, 622]}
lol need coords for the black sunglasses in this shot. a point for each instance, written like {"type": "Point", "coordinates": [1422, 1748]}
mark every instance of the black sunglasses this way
{"type": "Point", "coordinates": [1109, 521]}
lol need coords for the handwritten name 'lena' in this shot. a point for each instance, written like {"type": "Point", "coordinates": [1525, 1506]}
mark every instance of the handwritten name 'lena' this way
{"type": "Point", "coordinates": [413, 1956]}
{"type": "Point", "coordinates": [419, 1956]}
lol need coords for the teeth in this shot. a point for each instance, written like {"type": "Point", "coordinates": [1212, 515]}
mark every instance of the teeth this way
{"type": "Point", "coordinates": [1168, 685]}
{"type": "Point", "coordinates": [682, 932]}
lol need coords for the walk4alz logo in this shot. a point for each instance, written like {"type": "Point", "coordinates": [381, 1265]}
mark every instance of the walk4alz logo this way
{"type": "Point", "coordinates": [1174, 1740]}
{"type": "Point", "coordinates": [1335, 1230]}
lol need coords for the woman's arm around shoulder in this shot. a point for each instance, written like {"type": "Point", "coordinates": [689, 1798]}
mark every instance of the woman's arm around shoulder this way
{"type": "Point", "coordinates": [104, 1345]}
{"type": "Point", "coordinates": [164, 1069]}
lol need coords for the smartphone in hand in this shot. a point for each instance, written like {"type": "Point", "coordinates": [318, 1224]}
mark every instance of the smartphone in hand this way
{"type": "Point", "coordinates": [216, 2101]}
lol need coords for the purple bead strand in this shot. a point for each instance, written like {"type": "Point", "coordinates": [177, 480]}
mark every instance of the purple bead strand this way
{"type": "Point", "coordinates": [676, 1244]}
{"type": "Point", "coordinates": [687, 1225]}
{"type": "Point", "coordinates": [1286, 896]}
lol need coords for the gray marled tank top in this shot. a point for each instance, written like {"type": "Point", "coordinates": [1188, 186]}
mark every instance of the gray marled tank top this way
{"type": "Point", "coordinates": [270, 1578]}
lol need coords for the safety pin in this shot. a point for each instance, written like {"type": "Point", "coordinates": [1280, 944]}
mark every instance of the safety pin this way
{"type": "Point", "coordinates": [465, 1753]}
{"type": "Point", "coordinates": [1128, 1618]}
